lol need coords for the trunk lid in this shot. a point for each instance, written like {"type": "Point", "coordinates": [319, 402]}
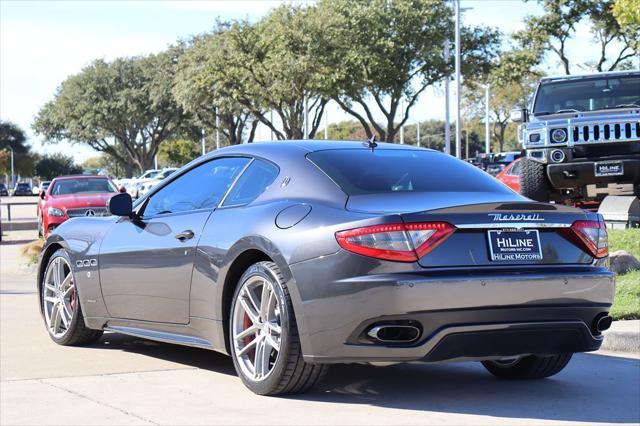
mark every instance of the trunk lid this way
{"type": "Point", "coordinates": [505, 234]}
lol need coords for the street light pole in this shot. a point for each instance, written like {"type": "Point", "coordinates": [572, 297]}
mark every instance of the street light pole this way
{"type": "Point", "coordinates": [326, 123]}
{"type": "Point", "coordinates": [12, 173]}
{"type": "Point", "coordinates": [487, 142]}
{"type": "Point", "coordinates": [204, 149]}
{"type": "Point", "coordinates": [447, 120]}
{"type": "Point", "coordinates": [457, 47]}
{"type": "Point", "coordinates": [418, 133]}
{"type": "Point", "coordinates": [217, 131]}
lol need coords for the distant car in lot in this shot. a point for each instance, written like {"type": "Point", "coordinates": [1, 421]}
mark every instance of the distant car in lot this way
{"type": "Point", "coordinates": [146, 186]}
{"type": "Point", "coordinates": [501, 160]}
{"type": "Point", "coordinates": [4, 192]}
{"type": "Point", "coordinates": [510, 175]}
{"type": "Point", "coordinates": [22, 188]}
{"type": "Point", "coordinates": [73, 196]}
{"type": "Point", "coordinates": [132, 185]}
{"type": "Point", "coordinates": [290, 256]}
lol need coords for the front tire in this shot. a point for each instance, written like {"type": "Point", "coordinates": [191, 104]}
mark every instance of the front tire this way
{"type": "Point", "coordinates": [61, 305]}
{"type": "Point", "coordinates": [528, 367]}
{"type": "Point", "coordinates": [263, 335]}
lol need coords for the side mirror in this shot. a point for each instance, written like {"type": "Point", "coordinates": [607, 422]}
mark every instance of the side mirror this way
{"type": "Point", "coordinates": [120, 205]}
{"type": "Point", "coordinates": [42, 195]}
{"type": "Point", "coordinates": [519, 115]}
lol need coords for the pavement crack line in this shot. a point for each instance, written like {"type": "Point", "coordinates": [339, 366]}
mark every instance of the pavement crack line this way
{"type": "Point", "coordinates": [113, 407]}
{"type": "Point", "coordinates": [116, 373]}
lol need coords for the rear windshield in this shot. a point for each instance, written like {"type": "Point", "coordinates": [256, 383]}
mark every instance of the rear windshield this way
{"type": "Point", "coordinates": [361, 171]}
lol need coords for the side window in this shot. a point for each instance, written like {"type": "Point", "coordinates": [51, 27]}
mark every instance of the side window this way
{"type": "Point", "coordinates": [200, 188]}
{"type": "Point", "coordinates": [515, 170]}
{"type": "Point", "coordinates": [252, 183]}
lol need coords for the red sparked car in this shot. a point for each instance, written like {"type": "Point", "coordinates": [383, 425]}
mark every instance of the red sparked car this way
{"type": "Point", "coordinates": [74, 196]}
{"type": "Point", "coordinates": [510, 175]}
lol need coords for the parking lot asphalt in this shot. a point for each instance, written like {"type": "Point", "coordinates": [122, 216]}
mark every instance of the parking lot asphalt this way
{"type": "Point", "coordinates": [125, 380]}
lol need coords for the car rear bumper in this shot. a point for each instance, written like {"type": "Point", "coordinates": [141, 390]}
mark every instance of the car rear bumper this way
{"type": "Point", "coordinates": [579, 174]}
{"type": "Point", "coordinates": [463, 315]}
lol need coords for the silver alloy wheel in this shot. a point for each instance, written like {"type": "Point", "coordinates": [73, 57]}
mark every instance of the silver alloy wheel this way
{"type": "Point", "coordinates": [59, 297]}
{"type": "Point", "coordinates": [256, 328]}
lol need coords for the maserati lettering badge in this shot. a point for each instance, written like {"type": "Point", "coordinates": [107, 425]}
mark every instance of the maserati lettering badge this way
{"type": "Point", "coordinates": [510, 217]}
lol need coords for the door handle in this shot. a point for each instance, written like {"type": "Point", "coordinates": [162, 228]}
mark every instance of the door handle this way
{"type": "Point", "coordinates": [185, 235]}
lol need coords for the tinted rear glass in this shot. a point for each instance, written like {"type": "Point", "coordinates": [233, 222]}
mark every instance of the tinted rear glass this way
{"type": "Point", "coordinates": [360, 171]}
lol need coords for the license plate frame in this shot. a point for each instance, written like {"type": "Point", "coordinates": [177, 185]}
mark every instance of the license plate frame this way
{"type": "Point", "coordinates": [608, 168]}
{"type": "Point", "coordinates": [516, 245]}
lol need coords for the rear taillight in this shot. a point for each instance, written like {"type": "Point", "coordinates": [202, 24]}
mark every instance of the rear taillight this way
{"type": "Point", "coordinates": [402, 242]}
{"type": "Point", "coordinates": [591, 236]}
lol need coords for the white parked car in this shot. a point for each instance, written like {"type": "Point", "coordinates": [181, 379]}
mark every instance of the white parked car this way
{"type": "Point", "coordinates": [132, 185]}
{"type": "Point", "coordinates": [144, 187]}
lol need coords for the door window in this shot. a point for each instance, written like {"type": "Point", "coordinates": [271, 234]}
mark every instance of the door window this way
{"type": "Point", "coordinates": [515, 170]}
{"type": "Point", "coordinates": [252, 183]}
{"type": "Point", "coordinates": [200, 188]}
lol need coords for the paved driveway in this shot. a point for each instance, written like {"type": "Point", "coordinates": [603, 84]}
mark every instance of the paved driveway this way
{"type": "Point", "coordinates": [125, 380]}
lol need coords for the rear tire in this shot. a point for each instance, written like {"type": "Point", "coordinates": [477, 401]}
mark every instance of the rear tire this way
{"type": "Point", "coordinates": [528, 367]}
{"type": "Point", "coordinates": [274, 324]}
{"type": "Point", "coordinates": [534, 183]}
{"type": "Point", "coordinates": [72, 331]}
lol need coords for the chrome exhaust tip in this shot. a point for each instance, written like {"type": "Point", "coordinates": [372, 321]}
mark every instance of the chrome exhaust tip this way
{"type": "Point", "coordinates": [603, 323]}
{"type": "Point", "coordinates": [394, 333]}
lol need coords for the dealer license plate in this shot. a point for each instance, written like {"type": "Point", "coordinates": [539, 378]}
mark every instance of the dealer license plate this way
{"type": "Point", "coordinates": [513, 246]}
{"type": "Point", "coordinates": [609, 168]}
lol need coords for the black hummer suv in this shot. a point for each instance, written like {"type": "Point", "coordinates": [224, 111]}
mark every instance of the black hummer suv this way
{"type": "Point", "coordinates": [582, 138]}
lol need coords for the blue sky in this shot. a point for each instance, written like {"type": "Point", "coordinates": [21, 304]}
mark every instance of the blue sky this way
{"type": "Point", "coordinates": [42, 42]}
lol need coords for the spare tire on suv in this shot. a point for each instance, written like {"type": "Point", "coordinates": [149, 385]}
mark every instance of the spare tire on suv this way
{"type": "Point", "coordinates": [534, 183]}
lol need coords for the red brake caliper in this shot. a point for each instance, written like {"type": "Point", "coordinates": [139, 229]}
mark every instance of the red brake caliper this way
{"type": "Point", "coordinates": [246, 323]}
{"type": "Point", "coordinates": [72, 299]}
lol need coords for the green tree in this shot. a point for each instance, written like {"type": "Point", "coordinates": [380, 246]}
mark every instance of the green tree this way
{"type": "Point", "coordinates": [51, 166]}
{"type": "Point", "coordinates": [627, 15]}
{"type": "Point", "coordinates": [267, 69]}
{"type": "Point", "coordinates": [123, 108]}
{"type": "Point", "coordinates": [511, 82]}
{"type": "Point", "coordinates": [198, 94]}
{"type": "Point", "coordinates": [12, 137]}
{"type": "Point", "coordinates": [387, 53]}
{"type": "Point", "coordinates": [553, 30]}
{"type": "Point", "coordinates": [177, 153]}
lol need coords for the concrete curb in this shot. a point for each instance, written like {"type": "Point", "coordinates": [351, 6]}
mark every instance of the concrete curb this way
{"type": "Point", "coordinates": [623, 336]}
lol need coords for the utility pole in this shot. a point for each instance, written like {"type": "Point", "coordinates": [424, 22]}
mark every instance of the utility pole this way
{"type": "Point", "coordinates": [306, 118]}
{"type": "Point", "coordinates": [326, 123]}
{"type": "Point", "coordinates": [271, 121]}
{"type": "Point", "coordinates": [447, 120]}
{"type": "Point", "coordinates": [12, 173]}
{"type": "Point", "coordinates": [402, 125]}
{"type": "Point", "coordinates": [204, 149]}
{"type": "Point", "coordinates": [457, 47]}
{"type": "Point", "coordinates": [217, 131]}
{"type": "Point", "coordinates": [487, 142]}
{"type": "Point", "coordinates": [418, 133]}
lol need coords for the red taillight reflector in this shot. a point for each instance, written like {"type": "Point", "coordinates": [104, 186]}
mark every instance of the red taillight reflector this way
{"type": "Point", "coordinates": [591, 236]}
{"type": "Point", "coordinates": [402, 242]}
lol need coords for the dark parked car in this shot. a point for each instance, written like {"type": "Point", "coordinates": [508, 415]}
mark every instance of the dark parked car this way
{"type": "Point", "coordinates": [22, 188]}
{"type": "Point", "coordinates": [3, 190]}
{"type": "Point", "coordinates": [290, 256]}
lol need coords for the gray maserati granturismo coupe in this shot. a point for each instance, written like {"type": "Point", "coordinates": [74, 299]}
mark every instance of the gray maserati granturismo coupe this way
{"type": "Point", "coordinates": [290, 256]}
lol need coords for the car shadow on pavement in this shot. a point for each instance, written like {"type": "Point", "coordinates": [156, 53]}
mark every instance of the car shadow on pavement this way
{"type": "Point", "coordinates": [593, 388]}
{"type": "Point", "coordinates": [186, 355]}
